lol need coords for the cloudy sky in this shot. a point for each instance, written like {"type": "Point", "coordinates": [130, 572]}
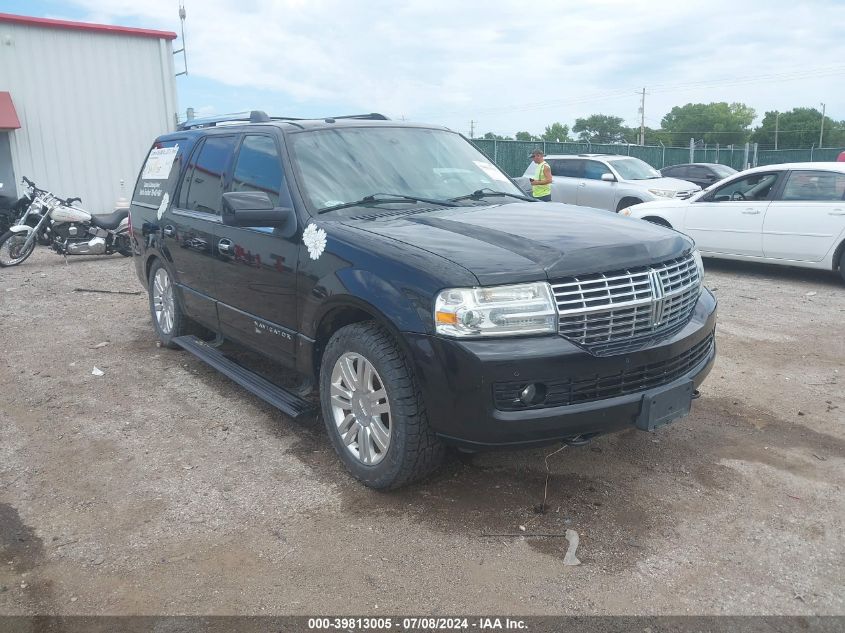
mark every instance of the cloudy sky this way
{"type": "Point", "coordinates": [507, 65]}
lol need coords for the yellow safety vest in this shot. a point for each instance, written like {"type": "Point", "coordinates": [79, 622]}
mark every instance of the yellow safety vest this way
{"type": "Point", "coordinates": [538, 191]}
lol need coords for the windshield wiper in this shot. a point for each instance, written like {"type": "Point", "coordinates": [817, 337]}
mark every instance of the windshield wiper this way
{"type": "Point", "coordinates": [387, 198]}
{"type": "Point", "coordinates": [488, 193]}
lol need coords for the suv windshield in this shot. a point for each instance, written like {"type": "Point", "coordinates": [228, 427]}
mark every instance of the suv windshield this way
{"type": "Point", "coordinates": [634, 169]}
{"type": "Point", "coordinates": [338, 166]}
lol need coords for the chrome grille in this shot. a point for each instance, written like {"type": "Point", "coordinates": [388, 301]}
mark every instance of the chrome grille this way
{"type": "Point", "coordinates": [617, 311]}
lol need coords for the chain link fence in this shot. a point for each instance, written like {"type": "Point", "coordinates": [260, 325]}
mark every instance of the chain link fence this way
{"type": "Point", "coordinates": [514, 156]}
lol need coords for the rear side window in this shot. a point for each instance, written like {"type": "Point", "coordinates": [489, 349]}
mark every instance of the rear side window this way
{"type": "Point", "coordinates": [814, 185]}
{"type": "Point", "coordinates": [160, 171]}
{"type": "Point", "coordinates": [566, 168]}
{"type": "Point", "coordinates": [593, 169]}
{"type": "Point", "coordinates": [675, 172]}
{"type": "Point", "coordinates": [202, 187]}
{"type": "Point", "coordinates": [259, 168]}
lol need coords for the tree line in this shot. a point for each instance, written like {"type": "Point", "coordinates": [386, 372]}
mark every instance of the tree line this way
{"type": "Point", "coordinates": [707, 123]}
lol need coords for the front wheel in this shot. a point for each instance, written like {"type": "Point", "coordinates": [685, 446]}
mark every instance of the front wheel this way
{"type": "Point", "coordinates": [842, 265]}
{"type": "Point", "coordinates": [373, 410]}
{"type": "Point", "coordinates": [13, 248]}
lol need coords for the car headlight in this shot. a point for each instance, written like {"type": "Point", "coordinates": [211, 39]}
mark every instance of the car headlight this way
{"type": "Point", "coordinates": [496, 311]}
{"type": "Point", "coordinates": [699, 264]}
{"type": "Point", "coordinates": [626, 211]}
{"type": "Point", "coordinates": [662, 193]}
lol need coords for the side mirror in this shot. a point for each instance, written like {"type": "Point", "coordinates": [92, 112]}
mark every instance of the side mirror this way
{"type": "Point", "coordinates": [608, 177]}
{"type": "Point", "coordinates": [253, 208]}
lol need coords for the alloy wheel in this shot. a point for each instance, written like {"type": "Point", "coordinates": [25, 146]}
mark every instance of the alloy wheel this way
{"type": "Point", "coordinates": [163, 305]}
{"type": "Point", "coordinates": [360, 408]}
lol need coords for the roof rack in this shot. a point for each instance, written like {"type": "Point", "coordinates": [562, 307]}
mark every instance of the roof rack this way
{"type": "Point", "coordinates": [372, 116]}
{"type": "Point", "coordinates": [259, 116]}
{"type": "Point", "coordinates": [254, 116]}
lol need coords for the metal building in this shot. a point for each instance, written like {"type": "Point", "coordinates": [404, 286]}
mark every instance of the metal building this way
{"type": "Point", "coordinates": [80, 105]}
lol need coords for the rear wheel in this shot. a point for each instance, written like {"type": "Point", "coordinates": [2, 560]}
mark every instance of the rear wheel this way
{"type": "Point", "coordinates": [13, 248]}
{"type": "Point", "coordinates": [169, 320]}
{"type": "Point", "coordinates": [374, 413]}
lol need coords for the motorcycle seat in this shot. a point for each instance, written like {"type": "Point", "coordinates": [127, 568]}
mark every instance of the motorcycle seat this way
{"type": "Point", "coordinates": [109, 221]}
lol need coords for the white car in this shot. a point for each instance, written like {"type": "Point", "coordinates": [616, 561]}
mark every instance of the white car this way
{"type": "Point", "coordinates": [608, 181]}
{"type": "Point", "coordinates": [792, 214]}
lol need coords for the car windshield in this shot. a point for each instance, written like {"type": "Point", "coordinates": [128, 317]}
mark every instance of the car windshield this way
{"type": "Point", "coordinates": [634, 169]}
{"type": "Point", "coordinates": [723, 171]}
{"type": "Point", "coordinates": [343, 165]}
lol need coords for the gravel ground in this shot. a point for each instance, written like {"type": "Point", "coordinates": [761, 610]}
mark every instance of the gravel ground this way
{"type": "Point", "coordinates": [163, 488]}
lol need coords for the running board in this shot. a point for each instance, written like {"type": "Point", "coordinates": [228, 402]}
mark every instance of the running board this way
{"type": "Point", "coordinates": [287, 402]}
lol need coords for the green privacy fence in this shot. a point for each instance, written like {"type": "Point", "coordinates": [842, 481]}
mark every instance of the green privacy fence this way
{"type": "Point", "coordinates": [513, 156]}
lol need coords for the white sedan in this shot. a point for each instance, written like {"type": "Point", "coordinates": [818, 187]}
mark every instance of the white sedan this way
{"type": "Point", "coordinates": [792, 214]}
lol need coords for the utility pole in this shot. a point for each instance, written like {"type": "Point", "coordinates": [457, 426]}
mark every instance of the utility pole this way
{"type": "Point", "coordinates": [642, 119]}
{"type": "Point", "coordinates": [472, 129]}
{"type": "Point", "coordinates": [777, 118]}
{"type": "Point", "coordinates": [821, 131]}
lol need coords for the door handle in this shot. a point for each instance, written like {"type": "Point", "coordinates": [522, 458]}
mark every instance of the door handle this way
{"type": "Point", "coordinates": [582, 184]}
{"type": "Point", "coordinates": [169, 231]}
{"type": "Point", "coordinates": [837, 212]}
{"type": "Point", "coordinates": [225, 246]}
{"type": "Point", "coordinates": [751, 212]}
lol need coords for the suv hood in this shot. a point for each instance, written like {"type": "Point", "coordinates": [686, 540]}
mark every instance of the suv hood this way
{"type": "Point", "coordinates": [530, 241]}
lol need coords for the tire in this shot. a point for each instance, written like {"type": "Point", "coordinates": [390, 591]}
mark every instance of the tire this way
{"type": "Point", "coordinates": [409, 450]}
{"type": "Point", "coordinates": [6, 246]}
{"type": "Point", "coordinates": [624, 203]}
{"type": "Point", "coordinates": [163, 299]}
{"type": "Point", "coordinates": [658, 221]}
{"type": "Point", "coordinates": [842, 265]}
{"type": "Point", "coordinates": [122, 244]}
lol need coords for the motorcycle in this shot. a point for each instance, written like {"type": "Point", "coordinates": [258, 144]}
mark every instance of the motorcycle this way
{"type": "Point", "coordinates": [67, 229]}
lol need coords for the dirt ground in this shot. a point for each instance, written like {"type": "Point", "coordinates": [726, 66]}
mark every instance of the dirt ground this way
{"type": "Point", "coordinates": [163, 488]}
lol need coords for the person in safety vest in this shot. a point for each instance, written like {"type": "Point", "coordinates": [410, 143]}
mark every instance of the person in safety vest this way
{"type": "Point", "coordinates": [541, 184]}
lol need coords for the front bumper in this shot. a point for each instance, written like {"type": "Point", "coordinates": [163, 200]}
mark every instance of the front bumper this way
{"type": "Point", "coordinates": [458, 380]}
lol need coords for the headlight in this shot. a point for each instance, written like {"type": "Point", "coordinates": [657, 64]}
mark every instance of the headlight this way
{"type": "Point", "coordinates": [497, 311]}
{"type": "Point", "coordinates": [625, 211]}
{"type": "Point", "coordinates": [699, 264]}
{"type": "Point", "coordinates": [662, 193]}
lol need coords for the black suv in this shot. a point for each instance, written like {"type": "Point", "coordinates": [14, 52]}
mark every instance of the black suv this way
{"type": "Point", "coordinates": [430, 301]}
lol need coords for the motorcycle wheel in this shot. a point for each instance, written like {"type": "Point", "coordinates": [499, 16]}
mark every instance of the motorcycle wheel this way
{"type": "Point", "coordinates": [11, 249]}
{"type": "Point", "coordinates": [123, 246]}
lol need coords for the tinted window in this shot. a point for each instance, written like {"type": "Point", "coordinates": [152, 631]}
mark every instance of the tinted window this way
{"type": "Point", "coordinates": [202, 188]}
{"type": "Point", "coordinates": [259, 168]}
{"type": "Point", "coordinates": [594, 169]}
{"type": "Point", "coordinates": [697, 171]}
{"type": "Point", "coordinates": [675, 172]}
{"type": "Point", "coordinates": [814, 185]}
{"type": "Point", "coordinates": [753, 187]}
{"type": "Point", "coordinates": [565, 168]}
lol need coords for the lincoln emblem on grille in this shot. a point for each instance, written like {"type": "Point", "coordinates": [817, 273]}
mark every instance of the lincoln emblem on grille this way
{"type": "Point", "coordinates": [658, 295]}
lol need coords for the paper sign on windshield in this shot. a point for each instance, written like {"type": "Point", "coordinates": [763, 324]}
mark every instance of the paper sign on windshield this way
{"type": "Point", "coordinates": [159, 163]}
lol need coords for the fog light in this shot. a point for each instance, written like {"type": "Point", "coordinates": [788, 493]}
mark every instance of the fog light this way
{"type": "Point", "coordinates": [532, 394]}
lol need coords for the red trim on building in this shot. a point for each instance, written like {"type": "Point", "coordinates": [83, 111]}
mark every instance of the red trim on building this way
{"type": "Point", "coordinates": [8, 116]}
{"type": "Point", "coordinates": [27, 20]}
